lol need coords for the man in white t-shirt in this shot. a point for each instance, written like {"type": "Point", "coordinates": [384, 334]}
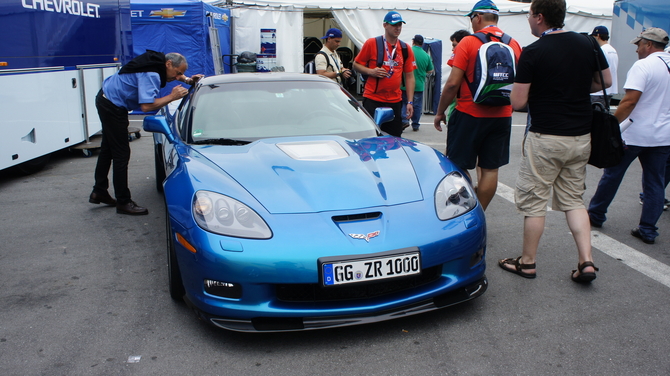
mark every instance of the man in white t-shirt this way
{"type": "Point", "coordinates": [331, 67]}
{"type": "Point", "coordinates": [602, 35]}
{"type": "Point", "coordinates": [647, 105]}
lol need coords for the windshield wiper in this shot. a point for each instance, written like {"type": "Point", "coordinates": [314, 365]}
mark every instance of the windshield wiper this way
{"type": "Point", "coordinates": [220, 141]}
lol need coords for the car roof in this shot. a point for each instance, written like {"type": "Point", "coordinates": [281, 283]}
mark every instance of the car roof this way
{"type": "Point", "coordinates": [263, 77]}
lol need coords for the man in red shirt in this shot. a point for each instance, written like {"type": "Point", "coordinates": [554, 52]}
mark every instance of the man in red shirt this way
{"type": "Point", "coordinates": [477, 135]}
{"type": "Point", "coordinates": [382, 87]}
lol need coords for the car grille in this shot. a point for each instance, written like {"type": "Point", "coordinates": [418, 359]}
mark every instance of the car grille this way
{"type": "Point", "coordinates": [357, 217]}
{"type": "Point", "coordinates": [317, 293]}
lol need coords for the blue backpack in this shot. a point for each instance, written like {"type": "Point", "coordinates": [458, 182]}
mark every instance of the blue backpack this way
{"type": "Point", "coordinates": [494, 71]}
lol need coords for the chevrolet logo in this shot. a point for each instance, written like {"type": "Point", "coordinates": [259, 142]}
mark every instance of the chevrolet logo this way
{"type": "Point", "coordinates": [167, 13]}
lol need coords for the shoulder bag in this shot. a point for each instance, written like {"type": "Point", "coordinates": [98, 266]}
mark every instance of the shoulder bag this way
{"type": "Point", "coordinates": [606, 143]}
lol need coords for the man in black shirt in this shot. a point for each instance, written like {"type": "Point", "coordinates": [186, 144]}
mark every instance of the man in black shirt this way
{"type": "Point", "coordinates": [555, 77]}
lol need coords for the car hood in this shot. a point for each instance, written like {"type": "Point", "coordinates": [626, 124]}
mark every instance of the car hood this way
{"type": "Point", "coordinates": [308, 174]}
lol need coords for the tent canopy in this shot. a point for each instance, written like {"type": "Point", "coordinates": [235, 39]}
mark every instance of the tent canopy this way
{"type": "Point", "coordinates": [361, 20]}
{"type": "Point", "coordinates": [592, 7]}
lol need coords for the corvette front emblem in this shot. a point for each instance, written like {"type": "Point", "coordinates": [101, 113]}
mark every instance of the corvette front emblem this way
{"type": "Point", "coordinates": [365, 237]}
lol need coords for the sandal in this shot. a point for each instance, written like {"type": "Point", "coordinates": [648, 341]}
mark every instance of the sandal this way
{"type": "Point", "coordinates": [518, 267]}
{"type": "Point", "coordinates": [584, 277]}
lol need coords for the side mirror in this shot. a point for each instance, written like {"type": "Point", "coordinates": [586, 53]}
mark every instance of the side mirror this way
{"type": "Point", "coordinates": [383, 115]}
{"type": "Point", "coordinates": [158, 124]}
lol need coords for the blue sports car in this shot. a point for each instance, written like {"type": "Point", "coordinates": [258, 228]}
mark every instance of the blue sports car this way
{"type": "Point", "coordinates": [288, 209]}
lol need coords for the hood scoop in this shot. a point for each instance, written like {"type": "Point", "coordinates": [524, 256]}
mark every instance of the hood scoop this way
{"type": "Point", "coordinates": [323, 150]}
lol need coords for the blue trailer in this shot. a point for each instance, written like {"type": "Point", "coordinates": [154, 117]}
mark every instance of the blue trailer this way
{"type": "Point", "coordinates": [54, 55]}
{"type": "Point", "coordinates": [629, 18]}
{"type": "Point", "coordinates": [193, 28]}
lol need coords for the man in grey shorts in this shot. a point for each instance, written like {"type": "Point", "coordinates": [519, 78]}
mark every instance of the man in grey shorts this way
{"type": "Point", "coordinates": [554, 78]}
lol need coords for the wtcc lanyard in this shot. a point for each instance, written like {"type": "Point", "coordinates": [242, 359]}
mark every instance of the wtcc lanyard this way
{"type": "Point", "coordinates": [550, 31]}
{"type": "Point", "coordinates": [390, 56]}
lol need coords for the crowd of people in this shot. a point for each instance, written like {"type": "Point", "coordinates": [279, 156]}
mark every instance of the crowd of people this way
{"type": "Point", "coordinates": [557, 79]}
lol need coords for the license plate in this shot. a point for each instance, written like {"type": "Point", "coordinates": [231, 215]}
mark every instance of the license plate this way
{"type": "Point", "coordinates": [372, 269]}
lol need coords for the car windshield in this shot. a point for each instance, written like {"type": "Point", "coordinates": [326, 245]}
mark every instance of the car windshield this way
{"type": "Point", "coordinates": [252, 110]}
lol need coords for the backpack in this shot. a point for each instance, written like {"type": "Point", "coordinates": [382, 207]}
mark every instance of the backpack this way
{"type": "Point", "coordinates": [380, 54]}
{"type": "Point", "coordinates": [494, 71]}
{"type": "Point", "coordinates": [310, 67]}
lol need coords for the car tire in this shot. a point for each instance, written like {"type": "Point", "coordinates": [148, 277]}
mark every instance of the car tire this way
{"type": "Point", "coordinates": [175, 283]}
{"type": "Point", "coordinates": [159, 166]}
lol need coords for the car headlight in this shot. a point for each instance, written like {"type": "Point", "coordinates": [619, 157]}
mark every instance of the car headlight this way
{"type": "Point", "coordinates": [454, 196]}
{"type": "Point", "coordinates": [223, 215]}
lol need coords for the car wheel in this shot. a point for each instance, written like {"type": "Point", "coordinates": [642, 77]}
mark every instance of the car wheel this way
{"type": "Point", "coordinates": [175, 283]}
{"type": "Point", "coordinates": [159, 167]}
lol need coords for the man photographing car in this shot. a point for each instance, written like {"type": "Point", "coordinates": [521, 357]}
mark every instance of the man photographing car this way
{"type": "Point", "coordinates": [136, 85]}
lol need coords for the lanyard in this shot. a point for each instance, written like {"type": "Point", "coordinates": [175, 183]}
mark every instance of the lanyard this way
{"type": "Point", "coordinates": [334, 57]}
{"type": "Point", "coordinates": [550, 31]}
{"type": "Point", "coordinates": [390, 56]}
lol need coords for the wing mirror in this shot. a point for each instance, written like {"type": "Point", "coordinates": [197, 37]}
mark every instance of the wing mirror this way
{"type": "Point", "coordinates": [383, 115]}
{"type": "Point", "coordinates": [158, 124]}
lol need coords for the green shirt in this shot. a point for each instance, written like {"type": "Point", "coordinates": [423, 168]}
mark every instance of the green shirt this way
{"type": "Point", "coordinates": [424, 64]}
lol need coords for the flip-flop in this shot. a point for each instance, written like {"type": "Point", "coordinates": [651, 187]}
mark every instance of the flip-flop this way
{"type": "Point", "coordinates": [518, 267]}
{"type": "Point", "coordinates": [584, 277]}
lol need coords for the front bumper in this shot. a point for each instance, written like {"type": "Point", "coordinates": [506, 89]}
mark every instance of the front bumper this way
{"type": "Point", "coordinates": [284, 324]}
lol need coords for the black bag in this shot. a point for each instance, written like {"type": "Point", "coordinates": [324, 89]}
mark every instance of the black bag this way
{"type": "Point", "coordinates": [606, 143]}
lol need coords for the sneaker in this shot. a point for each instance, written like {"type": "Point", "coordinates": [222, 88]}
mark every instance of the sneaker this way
{"type": "Point", "coordinates": [636, 233]}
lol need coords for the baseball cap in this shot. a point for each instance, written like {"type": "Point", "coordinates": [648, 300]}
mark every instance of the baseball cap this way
{"type": "Point", "coordinates": [484, 6]}
{"type": "Point", "coordinates": [393, 18]}
{"type": "Point", "coordinates": [653, 34]}
{"type": "Point", "coordinates": [332, 33]}
{"type": "Point", "coordinates": [600, 30]}
{"type": "Point", "coordinates": [418, 39]}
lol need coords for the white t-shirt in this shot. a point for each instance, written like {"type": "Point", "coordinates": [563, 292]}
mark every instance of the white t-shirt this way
{"type": "Point", "coordinates": [613, 62]}
{"type": "Point", "coordinates": [651, 115]}
{"type": "Point", "coordinates": [320, 62]}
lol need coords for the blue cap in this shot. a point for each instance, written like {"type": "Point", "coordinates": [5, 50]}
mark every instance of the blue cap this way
{"type": "Point", "coordinates": [484, 6]}
{"type": "Point", "coordinates": [600, 30]}
{"type": "Point", "coordinates": [393, 18]}
{"type": "Point", "coordinates": [332, 33]}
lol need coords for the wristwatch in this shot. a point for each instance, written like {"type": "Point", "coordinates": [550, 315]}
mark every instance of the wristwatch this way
{"type": "Point", "coordinates": [410, 102]}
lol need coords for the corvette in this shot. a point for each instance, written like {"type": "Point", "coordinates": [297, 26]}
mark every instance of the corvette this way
{"type": "Point", "coordinates": [287, 208]}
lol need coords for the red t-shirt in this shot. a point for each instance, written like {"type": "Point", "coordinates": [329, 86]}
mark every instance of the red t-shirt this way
{"type": "Point", "coordinates": [385, 89]}
{"type": "Point", "coordinates": [464, 57]}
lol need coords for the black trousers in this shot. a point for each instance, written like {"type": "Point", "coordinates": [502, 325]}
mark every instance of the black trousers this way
{"type": "Point", "coordinates": [393, 127]}
{"type": "Point", "coordinates": [115, 148]}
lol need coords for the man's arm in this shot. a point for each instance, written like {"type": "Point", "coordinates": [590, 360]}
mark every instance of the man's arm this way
{"type": "Point", "coordinates": [324, 72]}
{"type": "Point", "coordinates": [377, 72]}
{"type": "Point", "coordinates": [519, 96]}
{"type": "Point", "coordinates": [409, 90]}
{"type": "Point", "coordinates": [627, 104]}
{"type": "Point", "coordinates": [596, 85]}
{"type": "Point", "coordinates": [448, 94]}
{"type": "Point", "coordinates": [178, 92]}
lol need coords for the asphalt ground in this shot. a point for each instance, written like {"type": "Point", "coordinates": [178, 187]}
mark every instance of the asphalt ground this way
{"type": "Point", "coordinates": [84, 292]}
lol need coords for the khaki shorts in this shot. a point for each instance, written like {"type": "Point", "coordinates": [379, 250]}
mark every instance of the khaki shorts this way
{"type": "Point", "coordinates": [552, 161]}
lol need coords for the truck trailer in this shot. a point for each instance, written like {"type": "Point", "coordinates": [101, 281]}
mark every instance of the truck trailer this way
{"type": "Point", "coordinates": [629, 19]}
{"type": "Point", "coordinates": [54, 55]}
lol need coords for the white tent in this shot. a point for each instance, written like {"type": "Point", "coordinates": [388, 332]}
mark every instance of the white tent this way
{"type": "Point", "coordinates": [362, 19]}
